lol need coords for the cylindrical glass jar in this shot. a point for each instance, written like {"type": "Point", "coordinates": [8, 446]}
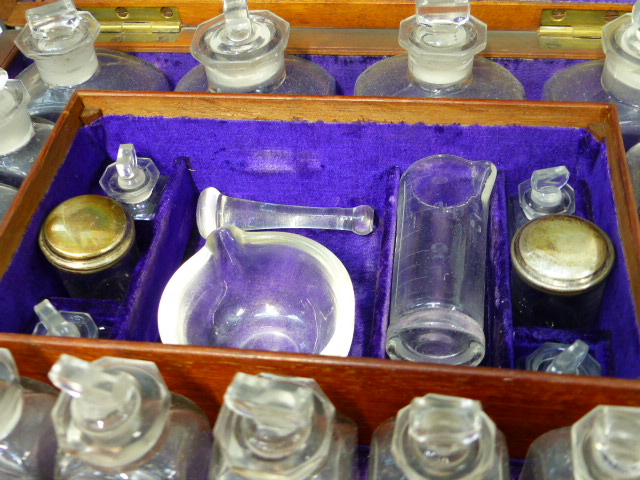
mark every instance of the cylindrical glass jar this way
{"type": "Point", "coordinates": [90, 239]}
{"type": "Point", "coordinates": [560, 266]}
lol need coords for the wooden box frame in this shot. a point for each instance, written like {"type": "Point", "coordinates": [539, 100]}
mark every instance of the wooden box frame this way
{"type": "Point", "coordinates": [524, 405]}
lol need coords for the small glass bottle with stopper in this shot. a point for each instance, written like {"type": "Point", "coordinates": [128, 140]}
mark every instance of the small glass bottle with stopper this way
{"type": "Point", "coordinates": [564, 359]}
{"type": "Point", "coordinates": [601, 445]}
{"type": "Point", "coordinates": [547, 192]}
{"type": "Point", "coordinates": [283, 428]}
{"type": "Point", "coordinates": [115, 418]}
{"type": "Point", "coordinates": [439, 437]}
{"type": "Point", "coordinates": [616, 79]}
{"type": "Point", "coordinates": [22, 136]}
{"type": "Point", "coordinates": [243, 52]}
{"type": "Point", "coordinates": [134, 182]}
{"type": "Point", "coordinates": [60, 40]}
{"type": "Point", "coordinates": [442, 41]}
{"type": "Point", "coordinates": [56, 323]}
{"type": "Point", "coordinates": [27, 442]}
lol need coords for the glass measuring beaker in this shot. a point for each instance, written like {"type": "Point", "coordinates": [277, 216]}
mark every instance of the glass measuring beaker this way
{"type": "Point", "coordinates": [437, 311]}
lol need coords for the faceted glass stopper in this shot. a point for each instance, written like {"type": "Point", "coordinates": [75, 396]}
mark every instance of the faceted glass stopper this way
{"type": "Point", "coordinates": [560, 358]}
{"type": "Point", "coordinates": [547, 193]}
{"type": "Point", "coordinates": [272, 426]}
{"type": "Point", "coordinates": [445, 430]}
{"type": "Point", "coordinates": [55, 21]}
{"type": "Point", "coordinates": [63, 324]}
{"type": "Point", "coordinates": [604, 444]}
{"type": "Point", "coordinates": [437, 13]}
{"type": "Point", "coordinates": [10, 393]}
{"type": "Point", "coordinates": [130, 179]}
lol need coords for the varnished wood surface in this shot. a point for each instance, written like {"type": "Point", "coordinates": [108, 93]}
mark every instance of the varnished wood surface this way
{"type": "Point", "coordinates": [499, 15]}
{"type": "Point", "coordinates": [8, 49]}
{"type": "Point", "coordinates": [524, 405]}
{"type": "Point", "coordinates": [347, 109]}
{"type": "Point", "coordinates": [376, 42]}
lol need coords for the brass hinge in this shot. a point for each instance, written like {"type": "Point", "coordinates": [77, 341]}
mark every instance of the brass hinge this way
{"type": "Point", "coordinates": [561, 27]}
{"type": "Point", "coordinates": [137, 24]}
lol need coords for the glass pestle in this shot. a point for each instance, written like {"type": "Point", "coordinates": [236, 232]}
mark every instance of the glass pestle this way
{"type": "Point", "coordinates": [63, 324]}
{"type": "Point", "coordinates": [216, 210]}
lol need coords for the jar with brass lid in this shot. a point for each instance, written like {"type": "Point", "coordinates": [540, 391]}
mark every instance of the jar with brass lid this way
{"type": "Point", "coordinates": [560, 264]}
{"type": "Point", "coordinates": [90, 240]}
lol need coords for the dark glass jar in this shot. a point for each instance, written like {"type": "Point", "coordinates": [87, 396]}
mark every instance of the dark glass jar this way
{"type": "Point", "coordinates": [90, 239]}
{"type": "Point", "coordinates": [560, 264]}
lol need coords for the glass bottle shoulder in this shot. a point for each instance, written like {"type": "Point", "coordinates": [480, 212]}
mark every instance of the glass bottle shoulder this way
{"type": "Point", "coordinates": [390, 78]}
{"type": "Point", "coordinates": [181, 453]}
{"type": "Point", "coordinates": [116, 71]}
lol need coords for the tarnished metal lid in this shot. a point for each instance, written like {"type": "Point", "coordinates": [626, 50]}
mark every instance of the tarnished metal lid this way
{"type": "Point", "coordinates": [562, 254]}
{"type": "Point", "coordinates": [87, 234]}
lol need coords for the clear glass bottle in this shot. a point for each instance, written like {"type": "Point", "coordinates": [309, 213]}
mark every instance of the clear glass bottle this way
{"type": "Point", "coordinates": [602, 445]}
{"type": "Point", "coordinates": [559, 269]}
{"type": "Point", "coordinates": [7, 195]}
{"type": "Point", "coordinates": [243, 52]}
{"type": "Point", "coordinates": [27, 442]}
{"type": "Point", "coordinates": [442, 41]}
{"type": "Point", "coordinates": [134, 182]}
{"type": "Point", "coordinates": [101, 268]}
{"type": "Point", "coordinates": [22, 136]}
{"type": "Point", "coordinates": [613, 80]}
{"type": "Point", "coordinates": [547, 192]}
{"type": "Point", "coordinates": [281, 428]}
{"type": "Point", "coordinates": [60, 40]}
{"type": "Point", "coordinates": [438, 437]}
{"type": "Point", "coordinates": [438, 291]}
{"type": "Point", "coordinates": [115, 419]}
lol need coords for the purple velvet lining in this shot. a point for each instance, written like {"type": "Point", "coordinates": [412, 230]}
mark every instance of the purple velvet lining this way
{"type": "Point", "coordinates": [321, 164]}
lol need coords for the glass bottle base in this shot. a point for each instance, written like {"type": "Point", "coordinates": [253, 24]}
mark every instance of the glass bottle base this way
{"type": "Point", "coordinates": [303, 78]}
{"type": "Point", "coordinates": [117, 71]}
{"type": "Point", "coordinates": [437, 335]}
{"type": "Point", "coordinates": [390, 78]}
{"type": "Point", "coordinates": [583, 83]}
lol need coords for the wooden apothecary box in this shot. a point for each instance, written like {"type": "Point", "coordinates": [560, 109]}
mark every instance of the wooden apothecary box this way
{"type": "Point", "coordinates": [248, 140]}
{"type": "Point", "coordinates": [241, 142]}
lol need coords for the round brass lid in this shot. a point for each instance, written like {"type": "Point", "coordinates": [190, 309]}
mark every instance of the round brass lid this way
{"type": "Point", "coordinates": [87, 234]}
{"type": "Point", "coordinates": [562, 254]}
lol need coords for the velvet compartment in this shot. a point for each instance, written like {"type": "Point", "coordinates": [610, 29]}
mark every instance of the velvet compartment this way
{"type": "Point", "coordinates": [322, 164]}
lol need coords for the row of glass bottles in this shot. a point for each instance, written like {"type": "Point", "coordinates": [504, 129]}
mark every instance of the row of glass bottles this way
{"type": "Point", "coordinates": [115, 418]}
{"type": "Point", "coordinates": [243, 51]}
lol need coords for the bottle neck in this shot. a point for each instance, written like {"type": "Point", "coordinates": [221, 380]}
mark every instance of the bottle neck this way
{"type": "Point", "coordinates": [262, 76]}
{"type": "Point", "coordinates": [68, 69]}
{"type": "Point", "coordinates": [431, 72]}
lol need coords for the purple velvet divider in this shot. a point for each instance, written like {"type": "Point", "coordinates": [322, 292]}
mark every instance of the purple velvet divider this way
{"type": "Point", "coordinates": [321, 164]}
{"type": "Point", "coordinates": [498, 323]}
